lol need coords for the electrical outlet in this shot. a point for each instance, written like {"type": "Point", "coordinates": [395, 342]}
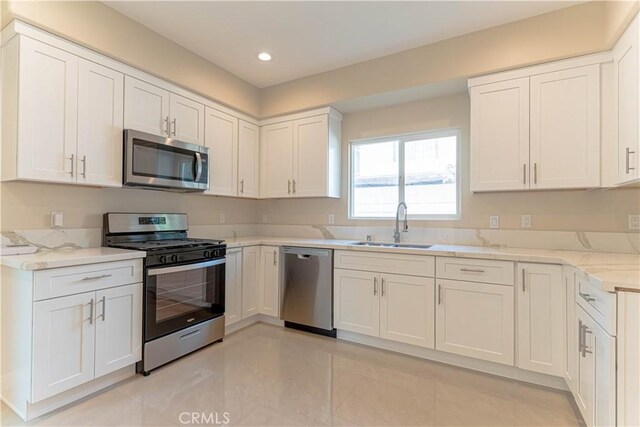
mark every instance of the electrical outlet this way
{"type": "Point", "coordinates": [223, 218]}
{"type": "Point", "coordinates": [57, 219]}
{"type": "Point", "coordinates": [332, 218]}
{"type": "Point", "coordinates": [494, 221]}
{"type": "Point", "coordinates": [634, 222]}
{"type": "Point", "coordinates": [525, 221]}
{"type": "Point", "coordinates": [265, 218]}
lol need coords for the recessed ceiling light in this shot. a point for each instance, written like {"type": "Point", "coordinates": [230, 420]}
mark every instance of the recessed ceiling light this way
{"type": "Point", "coordinates": [264, 56]}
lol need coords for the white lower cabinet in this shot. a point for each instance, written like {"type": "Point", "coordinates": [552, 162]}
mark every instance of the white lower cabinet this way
{"type": "Point", "coordinates": [595, 392]}
{"type": "Point", "coordinates": [475, 320]}
{"type": "Point", "coordinates": [250, 281]}
{"type": "Point", "coordinates": [540, 314]}
{"type": "Point", "coordinates": [63, 344]}
{"type": "Point", "coordinates": [571, 336]}
{"type": "Point", "coordinates": [233, 287]}
{"type": "Point", "coordinates": [269, 301]}
{"type": "Point", "coordinates": [389, 306]}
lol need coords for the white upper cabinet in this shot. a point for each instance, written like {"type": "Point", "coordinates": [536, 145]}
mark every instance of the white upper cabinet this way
{"type": "Point", "coordinates": [626, 65]}
{"type": "Point", "coordinates": [42, 82]}
{"type": "Point", "coordinates": [221, 137]}
{"type": "Point", "coordinates": [146, 107]}
{"type": "Point", "coordinates": [300, 155]}
{"type": "Point", "coordinates": [187, 119]}
{"type": "Point", "coordinates": [537, 128]}
{"type": "Point", "coordinates": [500, 135]}
{"type": "Point", "coordinates": [248, 159]}
{"type": "Point", "coordinates": [541, 338]}
{"type": "Point", "coordinates": [565, 129]}
{"type": "Point", "coordinates": [276, 160]}
{"type": "Point", "coordinates": [152, 109]}
{"type": "Point", "coordinates": [100, 125]}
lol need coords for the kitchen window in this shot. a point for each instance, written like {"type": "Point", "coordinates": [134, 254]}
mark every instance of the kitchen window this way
{"type": "Point", "coordinates": [420, 169]}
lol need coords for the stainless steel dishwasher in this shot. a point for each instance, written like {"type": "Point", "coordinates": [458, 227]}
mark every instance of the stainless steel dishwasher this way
{"type": "Point", "coordinates": [307, 295]}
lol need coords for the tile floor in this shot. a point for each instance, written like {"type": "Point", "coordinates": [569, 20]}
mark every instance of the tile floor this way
{"type": "Point", "coordinates": [266, 375]}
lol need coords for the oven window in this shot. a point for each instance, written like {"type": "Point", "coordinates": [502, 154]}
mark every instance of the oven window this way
{"type": "Point", "coordinates": [180, 293]}
{"type": "Point", "coordinates": [162, 161]}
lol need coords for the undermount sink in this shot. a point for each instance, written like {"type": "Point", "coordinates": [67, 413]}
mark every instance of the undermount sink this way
{"type": "Point", "coordinates": [393, 245]}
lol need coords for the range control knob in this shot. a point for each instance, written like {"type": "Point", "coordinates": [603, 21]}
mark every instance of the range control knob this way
{"type": "Point", "coordinates": [162, 259]}
{"type": "Point", "coordinates": [174, 258]}
{"type": "Point", "coordinates": [216, 253]}
{"type": "Point", "coordinates": [208, 254]}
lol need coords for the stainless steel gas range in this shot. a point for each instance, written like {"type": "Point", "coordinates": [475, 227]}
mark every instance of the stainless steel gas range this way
{"type": "Point", "coordinates": [184, 282]}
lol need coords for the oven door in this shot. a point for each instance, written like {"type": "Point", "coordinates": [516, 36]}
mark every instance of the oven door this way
{"type": "Point", "coordinates": [155, 161]}
{"type": "Point", "coordinates": [183, 295]}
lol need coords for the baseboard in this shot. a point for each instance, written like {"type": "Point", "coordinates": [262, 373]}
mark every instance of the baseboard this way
{"type": "Point", "coordinates": [505, 371]}
{"type": "Point", "coordinates": [241, 324]}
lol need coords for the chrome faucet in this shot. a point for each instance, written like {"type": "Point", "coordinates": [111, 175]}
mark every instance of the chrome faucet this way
{"type": "Point", "coordinates": [405, 225]}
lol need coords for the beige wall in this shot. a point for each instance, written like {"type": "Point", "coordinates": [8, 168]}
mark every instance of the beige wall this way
{"type": "Point", "coordinates": [568, 32]}
{"type": "Point", "coordinates": [29, 205]}
{"type": "Point", "coordinates": [103, 29]}
{"type": "Point", "coordinates": [593, 210]}
{"type": "Point", "coordinates": [618, 15]}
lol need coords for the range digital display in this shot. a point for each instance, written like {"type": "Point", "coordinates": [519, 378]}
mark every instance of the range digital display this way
{"type": "Point", "coordinates": [152, 220]}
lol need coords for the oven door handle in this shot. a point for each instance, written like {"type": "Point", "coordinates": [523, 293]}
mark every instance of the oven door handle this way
{"type": "Point", "coordinates": [178, 268]}
{"type": "Point", "coordinates": [198, 167]}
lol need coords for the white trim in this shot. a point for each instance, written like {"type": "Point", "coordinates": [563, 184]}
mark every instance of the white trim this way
{"type": "Point", "coordinates": [256, 318]}
{"type": "Point", "coordinates": [491, 368]}
{"type": "Point", "coordinates": [330, 111]}
{"type": "Point", "coordinates": [402, 139]}
{"type": "Point", "coordinates": [547, 67]}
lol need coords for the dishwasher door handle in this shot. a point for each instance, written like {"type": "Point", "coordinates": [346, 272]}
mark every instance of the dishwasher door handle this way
{"type": "Point", "coordinates": [301, 256]}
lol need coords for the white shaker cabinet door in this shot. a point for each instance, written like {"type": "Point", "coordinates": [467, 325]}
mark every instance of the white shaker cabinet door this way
{"type": "Point", "coordinates": [187, 119]}
{"type": "Point", "coordinates": [356, 306]}
{"type": "Point", "coordinates": [221, 137]}
{"type": "Point", "coordinates": [407, 309]}
{"type": "Point", "coordinates": [565, 128]}
{"type": "Point", "coordinates": [270, 280]}
{"type": "Point", "coordinates": [146, 107]}
{"type": "Point", "coordinates": [500, 136]}
{"type": "Point", "coordinates": [47, 113]}
{"type": "Point", "coordinates": [118, 328]}
{"type": "Point", "coordinates": [571, 337]}
{"type": "Point", "coordinates": [310, 157]}
{"type": "Point", "coordinates": [276, 160]}
{"type": "Point", "coordinates": [250, 281]}
{"type": "Point", "coordinates": [475, 320]}
{"type": "Point", "coordinates": [541, 339]}
{"type": "Point", "coordinates": [248, 159]}
{"type": "Point", "coordinates": [233, 287]}
{"type": "Point", "coordinates": [100, 123]}
{"type": "Point", "coordinates": [63, 344]}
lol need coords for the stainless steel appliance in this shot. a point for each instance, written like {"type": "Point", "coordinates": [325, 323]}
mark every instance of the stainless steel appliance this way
{"type": "Point", "coordinates": [307, 301]}
{"type": "Point", "coordinates": [153, 161]}
{"type": "Point", "coordinates": [184, 281]}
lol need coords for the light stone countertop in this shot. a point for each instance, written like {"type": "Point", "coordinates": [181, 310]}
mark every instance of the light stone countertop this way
{"type": "Point", "coordinates": [68, 257]}
{"type": "Point", "coordinates": [611, 271]}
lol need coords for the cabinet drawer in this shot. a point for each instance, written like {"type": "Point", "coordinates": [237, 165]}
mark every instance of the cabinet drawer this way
{"type": "Point", "coordinates": [599, 304]}
{"type": "Point", "coordinates": [475, 270]}
{"type": "Point", "coordinates": [412, 265]}
{"type": "Point", "coordinates": [58, 282]}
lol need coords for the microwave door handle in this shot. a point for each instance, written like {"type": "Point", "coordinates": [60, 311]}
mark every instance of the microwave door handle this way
{"type": "Point", "coordinates": [198, 167]}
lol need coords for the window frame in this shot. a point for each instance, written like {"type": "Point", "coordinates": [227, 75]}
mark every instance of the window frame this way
{"type": "Point", "coordinates": [402, 139]}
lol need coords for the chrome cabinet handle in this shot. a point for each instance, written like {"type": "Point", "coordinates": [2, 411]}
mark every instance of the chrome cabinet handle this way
{"type": "Point", "coordinates": [524, 173]}
{"type": "Point", "coordinates": [96, 277]}
{"type": "Point", "coordinates": [242, 186]}
{"type": "Point", "coordinates": [523, 279]}
{"type": "Point", "coordinates": [174, 126]}
{"type": "Point", "coordinates": [91, 312]}
{"type": "Point", "coordinates": [628, 162]}
{"type": "Point", "coordinates": [580, 336]}
{"type": "Point", "coordinates": [439, 294]}
{"type": "Point", "coordinates": [382, 287]}
{"type": "Point", "coordinates": [104, 308]}
{"type": "Point", "coordinates": [84, 166]}
{"type": "Point", "coordinates": [375, 286]}
{"type": "Point", "coordinates": [166, 126]}
{"type": "Point", "coordinates": [72, 162]}
{"type": "Point", "coordinates": [472, 270]}
{"type": "Point", "coordinates": [585, 331]}
{"type": "Point", "coordinates": [586, 297]}
{"type": "Point", "coordinates": [289, 186]}
{"type": "Point", "coordinates": [274, 258]}
{"type": "Point", "coordinates": [294, 186]}
{"type": "Point", "coordinates": [535, 173]}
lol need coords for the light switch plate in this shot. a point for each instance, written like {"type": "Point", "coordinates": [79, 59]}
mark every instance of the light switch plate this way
{"type": "Point", "coordinates": [223, 218]}
{"type": "Point", "coordinates": [332, 218]}
{"type": "Point", "coordinates": [525, 221]}
{"type": "Point", "coordinates": [634, 222]}
{"type": "Point", "coordinates": [494, 221]}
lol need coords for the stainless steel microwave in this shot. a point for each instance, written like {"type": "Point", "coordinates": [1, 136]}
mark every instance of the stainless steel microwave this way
{"type": "Point", "coordinates": [153, 161]}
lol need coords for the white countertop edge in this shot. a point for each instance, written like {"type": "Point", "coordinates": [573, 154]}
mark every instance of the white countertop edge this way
{"type": "Point", "coordinates": [68, 258]}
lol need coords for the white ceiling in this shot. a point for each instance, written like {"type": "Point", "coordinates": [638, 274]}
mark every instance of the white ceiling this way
{"type": "Point", "coordinates": [309, 37]}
